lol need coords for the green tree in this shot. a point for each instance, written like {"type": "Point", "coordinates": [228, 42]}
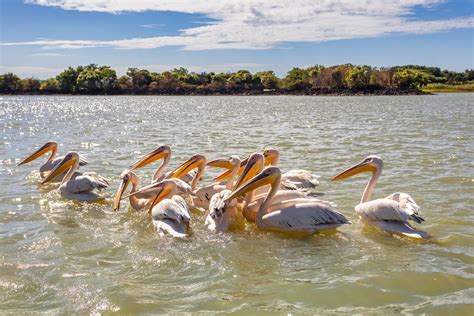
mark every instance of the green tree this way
{"type": "Point", "coordinates": [30, 85]}
{"type": "Point", "coordinates": [410, 78]}
{"type": "Point", "coordinates": [68, 80]}
{"type": "Point", "coordinates": [50, 86]}
{"type": "Point", "coordinates": [9, 83]}
{"type": "Point", "coordinates": [297, 79]}
{"type": "Point", "coordinates": [358, 77]}
{"type": "Point", "coordinates": [141, 78]}
{"type": "Point", "coordinates": [267, 79]}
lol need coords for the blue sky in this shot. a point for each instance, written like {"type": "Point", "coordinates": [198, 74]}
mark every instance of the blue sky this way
{"type": "Point", "coordinates": [41, 37]}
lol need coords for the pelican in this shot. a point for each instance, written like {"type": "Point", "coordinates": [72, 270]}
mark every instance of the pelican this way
{"type": "Point", "coordinates": [169, 211]}
{"type": "Point", "coordinates": [143, 199]}
{"type": "Point", "coordinates": [390, 214]}
{"type": "Point", "coordinates": [202, 196]}
{"type": "Point", "coordinates": [162, 152]}
{"type": "Point", "coordinates": [223, 217]}
{"type": "Point", "coordinates": [254, 199]}
{"type": "Point", "coordinates": [52, 160]}
{"type": "Point", "coordinates": [76, 185]}
{"type": "Point", "coordinates": [289, 216]}
{"type": "Point", "coordinates": [293, 179]}
{"type": "Point", "coordinates": [139, 201]}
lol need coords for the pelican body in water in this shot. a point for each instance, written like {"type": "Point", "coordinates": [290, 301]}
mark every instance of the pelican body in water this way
{"type": "Point", "coordinates": [290, 216]}
{"type": "Point", "coordinates": [293, 179]}
{"type": "Point", "coordinates": [391, 214]}
{"type": "Point", "coordinates": [223, 217]}
{"type": "Point", "coordinates": [52, 161]}
{"type": "Point", "coordinates": [168, 209]}
{"type": "Point", "coordinates": [76, 185]}
{"type": "Point", "coordinates": [144, 198]}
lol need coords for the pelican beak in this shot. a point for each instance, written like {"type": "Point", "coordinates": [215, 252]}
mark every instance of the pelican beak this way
{"type": "Point", "coordinates": [248, 173]}
{"type": "Point", "coordinates": [122, 187]}
{"type": "Point", "coordinates": [260, 180]}
{"type": "Point", "coordinates": [363, 166]}
{"type": "Point", "coordinates": [268, 159]}
{"type": "Point", "coordinates": [226, 174]}
{"type": "Point", "coordinates": [146, 189]}
{"type": "Point", "coordinates": [64, 165]}
{"type": "Point", "coordinates": [152, 156]}
{"type": "Point", "coordinates": [49, 146]}
{"type": "Point", "coordinates": [192, 163]}
{"type": "Point", "coordinates": [220, 163]}
{"type": "Point", "coordinates": [164, 191]}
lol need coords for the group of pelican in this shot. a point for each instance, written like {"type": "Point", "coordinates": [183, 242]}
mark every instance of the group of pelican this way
{"type": "Point", "coordinates": [250, 190]}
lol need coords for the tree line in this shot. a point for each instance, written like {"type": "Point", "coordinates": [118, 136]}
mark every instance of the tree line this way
{"type": "Point", "coordinates": [346, 78]}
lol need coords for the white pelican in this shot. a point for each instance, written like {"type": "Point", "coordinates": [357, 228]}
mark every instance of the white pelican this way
{"type": "Point", "coordinates": [289, 216]}
{"type": "Point", "coordinates": [390, 214]}
{"type": "Point", "coordinates": [293, 179]}
{"type": "Point", "coordinates": [76, 185]}
{"type": "Point", "coordinates": [255, 198]}
{"type": "Point", "coordinates": [52, 160]}
{"type": "Point", "coordinates": [202, 196]}
{"type": "Point", "coordinates": [169, 211]}
{"type": "Point", "coordinates": [162, 152]}
{"type": "Point", "coordinates": [138, 201]}
{"type": "Point", "coordinates": [143, 199]}
{"type": "Point", "coordinates": [224, 217]}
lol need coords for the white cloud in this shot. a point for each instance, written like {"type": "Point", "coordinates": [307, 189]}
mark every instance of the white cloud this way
{"type": "Point", "coordinates": [48, 55]}
{"type": "Point", "coordinates": [262, 24]}
{"type": "Point", "coordinates": [152, 26]}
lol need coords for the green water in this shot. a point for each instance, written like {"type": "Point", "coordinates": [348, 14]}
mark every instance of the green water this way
{"type": "Point", "coordinates": [64, 257]}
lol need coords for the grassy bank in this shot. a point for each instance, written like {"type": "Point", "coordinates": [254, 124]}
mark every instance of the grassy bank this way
{"type": "Point", "coordinates": [441, 87]}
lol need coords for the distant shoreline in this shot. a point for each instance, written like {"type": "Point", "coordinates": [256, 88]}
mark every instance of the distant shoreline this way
{"type": "Point", "coordinates": [310, 92]}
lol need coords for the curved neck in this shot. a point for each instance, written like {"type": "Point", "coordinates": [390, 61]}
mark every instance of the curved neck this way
{"type": "Point", "coordinates": [71, 171]}
{"type": "Point", "coordinates": [268, 199]}
{"type": "Point", "coordinates": [198, 176]}
{"type": "Point", "coordinates": [136, 202]}
{"type": "Point", "coordinates": [371, 185]}
{"type": "Point", "coordinates": [163, 165]}
{"type": "Point", "coordinates": [54, 151]}
{"type": "Point", "coordinates": [276, 159]}
{"type": "Point", "coordinates": [233, 175]}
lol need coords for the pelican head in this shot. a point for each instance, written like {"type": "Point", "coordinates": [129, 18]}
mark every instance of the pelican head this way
{"type": "Point", "coordinates": [226, 174]}
{"type": "Point", "coordinates": [68, 162]}
{"type": "Point", "coordinates": [49, 146]}
{"type": "Point", "coordinates": [268, 176]}
{"type": "Point", "coordinates": [163, 189]}
{"type": "Point", "coordinates": [229, 163]}
{"type": "Point", "coordinates": [159, 153]}
{"type": "Point", "coordinates": [272, 156]}
{"type": "Point", "coordinates": [253, 167]}
{"type": "Point", "coordinates": [126, 179]}
{"type": "Point", "coordinates": [196, 161]}
{"type": "Point", "coordinates": [370, 164]}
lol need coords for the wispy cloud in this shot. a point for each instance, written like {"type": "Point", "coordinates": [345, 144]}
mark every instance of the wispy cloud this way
{"type": "Point", "coordinates": [152, 26]}
{"type": "Point", "coordinates": [48, 55]}
{"type": "Point", "coordinates": [261, 24]}
{"type": "Point", "coordinates": [29, 71]}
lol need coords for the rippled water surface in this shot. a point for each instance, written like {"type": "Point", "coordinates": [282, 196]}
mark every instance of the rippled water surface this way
{"type": "Point", "coordinates": [65, 257]}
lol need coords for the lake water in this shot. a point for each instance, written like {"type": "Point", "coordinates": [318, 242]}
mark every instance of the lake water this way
{"type": "Point", "coordinates": [65, 257]}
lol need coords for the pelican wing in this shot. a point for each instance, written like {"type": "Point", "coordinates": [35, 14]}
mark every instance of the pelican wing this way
{"type": "Point", "coordinates": [217, 205]}
{"type": "Point", "coordinates": [174, 209]}
{"type": "Point", "coordinates": [307, 217]}
{"type": "Point", "coordinates": [390, 209]}
{"type": "Point", "coordinates": [300, 179]}
{"type": "Point", "coordinates": [86, 182]}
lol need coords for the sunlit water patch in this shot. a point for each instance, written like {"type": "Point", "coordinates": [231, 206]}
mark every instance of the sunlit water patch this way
{"type": "Point", "coordinates": [65, 257]}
